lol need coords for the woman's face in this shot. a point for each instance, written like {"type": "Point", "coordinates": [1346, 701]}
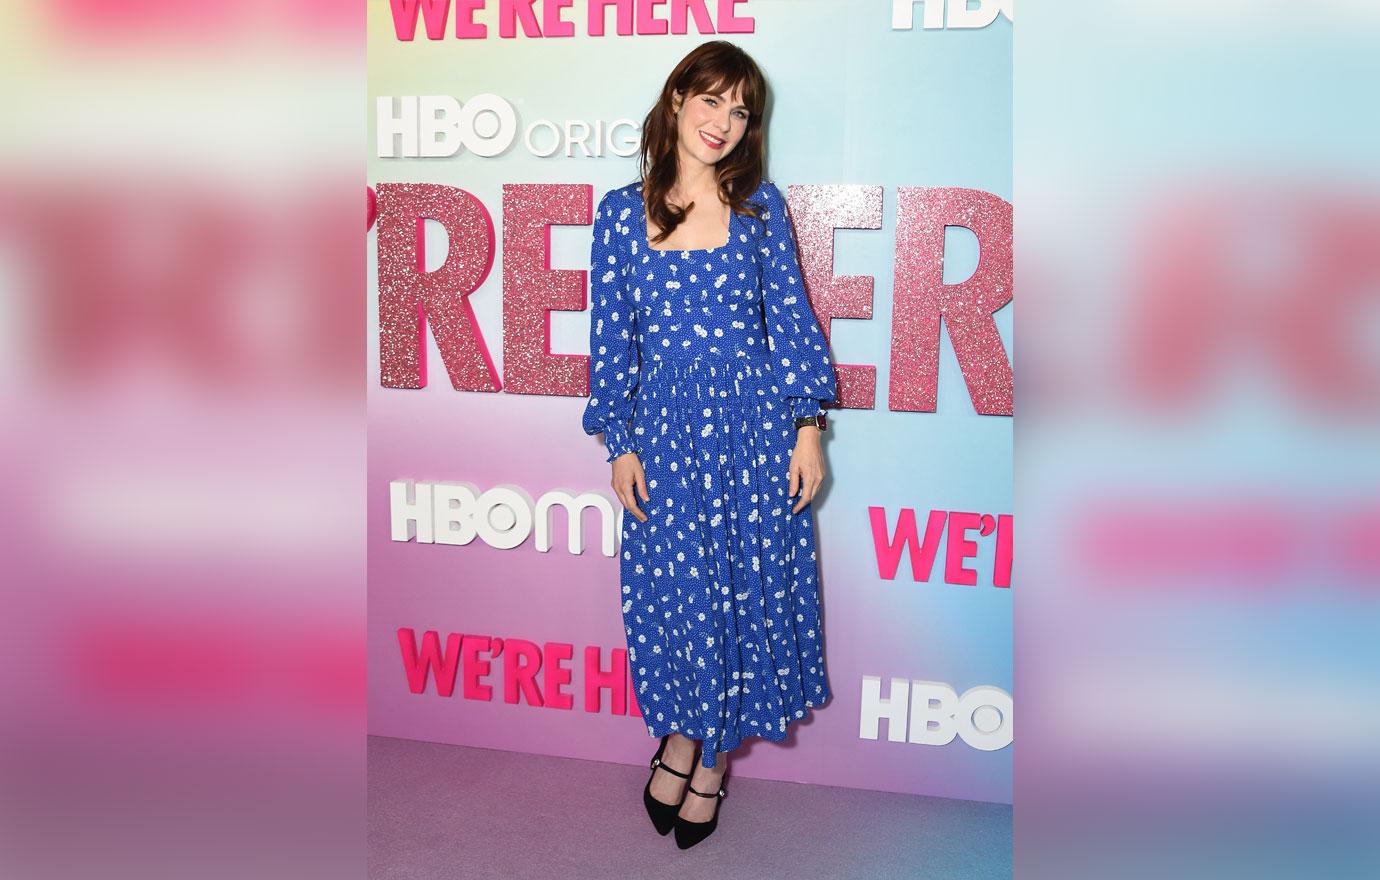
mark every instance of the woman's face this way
{"type": "Point", "coordinates": [710, 126]}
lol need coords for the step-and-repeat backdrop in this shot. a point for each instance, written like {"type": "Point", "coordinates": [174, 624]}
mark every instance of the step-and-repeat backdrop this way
{"type": "Point", "coordinates": [494, 601]}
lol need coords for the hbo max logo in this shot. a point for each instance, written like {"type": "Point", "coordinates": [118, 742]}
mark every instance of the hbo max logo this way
{"type": "Point", "coordinates": [503, 517]}
{"type": "Point", "coordinates": [487, 125]}
{"type": "Point", "coordinates": [931, 713]}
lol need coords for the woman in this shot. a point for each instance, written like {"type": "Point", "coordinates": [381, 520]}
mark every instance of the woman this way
{"type": "Point", "coordinates": [707, 374]}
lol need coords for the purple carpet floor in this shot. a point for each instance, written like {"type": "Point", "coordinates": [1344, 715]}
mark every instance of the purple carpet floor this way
{"type": "Point", "coordinates": [440, 812]}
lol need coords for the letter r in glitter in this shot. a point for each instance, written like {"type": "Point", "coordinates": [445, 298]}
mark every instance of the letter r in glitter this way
{"type": "Point", "coordinates": [921, 298]}
{"type": "Point", "coordinates": [410, 297]}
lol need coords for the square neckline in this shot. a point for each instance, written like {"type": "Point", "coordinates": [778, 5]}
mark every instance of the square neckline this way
{"type": "Point", "coordinates": [647, 239]}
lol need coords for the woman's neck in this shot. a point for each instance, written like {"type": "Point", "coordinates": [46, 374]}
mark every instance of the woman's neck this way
{"type": "Point", "coordinates": [694, 184]}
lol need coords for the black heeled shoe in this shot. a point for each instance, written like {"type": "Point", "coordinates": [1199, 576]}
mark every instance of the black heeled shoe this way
{"type": "Point", "coordinates": [663, 815]}
{"type": "Point", "coordinates": [690, 833]}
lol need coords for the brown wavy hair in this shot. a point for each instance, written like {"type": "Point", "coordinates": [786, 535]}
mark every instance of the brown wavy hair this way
{"type": "Point", "coordinates": [714, 67]}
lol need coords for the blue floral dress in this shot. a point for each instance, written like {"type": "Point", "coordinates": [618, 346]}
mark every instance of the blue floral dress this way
{"type": "Point", "coordinates": [700, 360]}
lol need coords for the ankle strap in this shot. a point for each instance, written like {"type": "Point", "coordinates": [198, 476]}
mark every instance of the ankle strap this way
{"type": "Point", "coordinates": [718, 794]}
{"type": "Point", "coordinates": [656, 763]}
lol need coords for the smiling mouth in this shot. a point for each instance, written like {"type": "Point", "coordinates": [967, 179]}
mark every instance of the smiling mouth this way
{"type": "Point", "coordinates": [712, 141]}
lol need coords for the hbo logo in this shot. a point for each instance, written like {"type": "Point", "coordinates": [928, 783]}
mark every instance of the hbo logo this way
{"type": "Point", "coordinates": [931, 713]}
{"type": "Point", "coordinates": [961, 15]}
{"type": "Point", "coordinates": [437, 125]}
{"type": "Point", "coordinates": [486, 125]}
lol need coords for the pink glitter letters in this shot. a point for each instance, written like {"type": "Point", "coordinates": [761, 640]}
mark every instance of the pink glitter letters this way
{"type": "Point", "coordinates": [532, 289]}
{"type": "Point", "coordinates": [921, 298]}
{"type": "Point", "coordinates": [410, 297]}
{"type": "Point", "coordinates": [816, 212]}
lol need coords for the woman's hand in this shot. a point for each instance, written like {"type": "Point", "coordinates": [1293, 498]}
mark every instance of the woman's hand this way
{"type": "Point", "coordinates": [807, 466]}
{"type": "Point", "coordinates": [627, 476]}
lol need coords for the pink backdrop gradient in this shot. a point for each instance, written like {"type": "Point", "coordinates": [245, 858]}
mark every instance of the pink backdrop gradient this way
{"type": "Point", "coordinates": [554, 596]}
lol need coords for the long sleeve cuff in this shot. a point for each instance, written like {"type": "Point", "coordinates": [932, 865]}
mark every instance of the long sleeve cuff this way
{"type": "Point", "coordinates": [617, 439]}
{"type": "Point", "coordinates": [802, 407]}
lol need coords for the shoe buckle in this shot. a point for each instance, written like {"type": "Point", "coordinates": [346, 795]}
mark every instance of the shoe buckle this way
{"type": "Point", "coordinates": [722, 792]}
{"type": "Point", "coordinates": [655, 763]}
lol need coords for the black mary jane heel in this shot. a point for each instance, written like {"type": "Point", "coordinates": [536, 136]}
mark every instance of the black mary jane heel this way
{"type": "Point", "coordinates": [690, 833]}
{"type": "Point", "coordinates": [663, 815]}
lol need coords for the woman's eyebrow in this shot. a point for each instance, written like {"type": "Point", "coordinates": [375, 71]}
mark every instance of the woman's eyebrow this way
{"type": "Point", "coordinates": [724, 97]}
